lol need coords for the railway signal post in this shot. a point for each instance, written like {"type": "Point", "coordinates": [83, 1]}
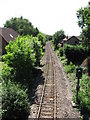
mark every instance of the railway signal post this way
{"type": "Point", "coordinates": [78, 76]}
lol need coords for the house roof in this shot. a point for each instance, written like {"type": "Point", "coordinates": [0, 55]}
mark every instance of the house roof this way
{"type": "Point", "coordinates": [8, 34]}
{"type": "Point", "coordinates": [69, 37]}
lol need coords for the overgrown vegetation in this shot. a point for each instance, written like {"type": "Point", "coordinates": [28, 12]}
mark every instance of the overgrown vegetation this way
{"type": "Point", "coordinates": [84, 94]}
{"type": "Point", "coordinates": [22, 26]}
{"type": "Point", "coordinates": [24, 54]}
{"type": "Point", "coordinates": [57, 37]}
{"type": "Point", "coordinates": [0, 66]}
{"type": "Point", "coordinates": [20, 62]}
{"type": "Point", "coordinates": [83, 15]}
{"type": "Point", "coordinates": [76, 54]}
{"type": "Point", "coordinates": [15, 102]}
{"type": "Point", "coordinates": [72, 57]}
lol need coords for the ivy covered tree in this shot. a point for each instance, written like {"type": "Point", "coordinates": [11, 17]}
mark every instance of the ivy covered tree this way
{"type": "Point", "coordinates": [83, 15]}
{"type": "Point", "coordinates": [22, 26]}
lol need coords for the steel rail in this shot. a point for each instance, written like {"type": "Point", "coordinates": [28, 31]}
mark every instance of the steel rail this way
{"type": "Point", "coordinates": [53, 63]}
{"type": "Point", "coordinates": [54, 96]}
{"type": "Point", "coordinates": [55, 110]}
{"type": "Point", "coordinates": [39, 111]}
{"type": "Point", "coordinates": [41, 101]}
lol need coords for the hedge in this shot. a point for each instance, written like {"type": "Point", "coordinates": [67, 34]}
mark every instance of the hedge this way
{"type": "Point", "coordinates": [76, 54]}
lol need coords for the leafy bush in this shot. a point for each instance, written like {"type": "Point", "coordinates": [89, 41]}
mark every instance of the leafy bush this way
{"type": "Point", "coordinates": [22, 56]}
{"type": "Point", "coordinates": [84, 94]}
{"type": "Point", "coordinates": [76, 54]}
{"type": "Point", "coordinates": [64, 60]}
{"type": "Point", "coordinates": [41, 37]}
{"type": "Point", "coordinates": [0, 98]}
{"type": "Point", "coordinates": [61, 51]}
{"type": "Point", "coordinates": [15, 102]}
{"type": "Point", "coordinates": [70, 68]}
{"type": "Point", "coordinates": [38, 50]}
{"type": "Point", "coordinates": [7, 73]}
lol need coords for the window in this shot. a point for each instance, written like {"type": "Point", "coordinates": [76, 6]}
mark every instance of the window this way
{"type": "Point", "coordinates": [11, 35]}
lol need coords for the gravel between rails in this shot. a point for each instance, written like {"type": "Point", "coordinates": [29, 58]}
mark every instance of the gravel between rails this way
{"type": "Point", "coordinates": [64, 94]}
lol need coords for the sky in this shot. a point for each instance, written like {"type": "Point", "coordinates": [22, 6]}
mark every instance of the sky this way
{"type": "Point", "coordinates": [49, 16]}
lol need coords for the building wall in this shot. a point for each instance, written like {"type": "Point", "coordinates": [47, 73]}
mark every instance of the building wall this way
{"type": "Point", "coordinates": [0, 45]}
{"type": "Point", "coordinates": [4, 43]}
{"type": "Point", "coordinates": [72, 41]}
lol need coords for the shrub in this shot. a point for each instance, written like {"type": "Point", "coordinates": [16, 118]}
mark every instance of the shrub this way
{"type": "Point", "coordinates": [22, 56]}
{"type": "Point", "coordinates": [64, 60]}
{"type": "Point", "coordinates": [70, 68]}
{"type": "Point", "coordinates": [41, 38]}
{"type": "Point", "coordinates": [61, 51]}
{"type": "Point", "coordinates": [15, 103]}
{"type": "Point", "coordinates": [38, 50]}
{"type": "Point", "coordinates": [88, 65]}
{"type": "Point", "coordinates": [0, 98]}
{"type": "Point", "coordinates": [84, 94]}
{"type": "Point", "coordinates": [76, 54]}
{"type": "Point", "coordinates": [7, 73]}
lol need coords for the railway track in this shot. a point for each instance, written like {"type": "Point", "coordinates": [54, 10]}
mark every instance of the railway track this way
{"type": "Point", "coordinates": [47, 108]}
{"type": "Point", "coordinates": [54, 101]}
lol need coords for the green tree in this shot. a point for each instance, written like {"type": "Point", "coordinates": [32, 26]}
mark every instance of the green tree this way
{"type": "Point", "coordinates": [48, 37]}
{"type": "Point", "coordinates": [22, 26]}
{"type": "Point", "coordinates": [22, 56]}
{"type": "Point", "coordinates": [38, 50]}
{"type": "Point", "coordinates": [59, 35]}
{"type": "Point", "coordinates": [83, 15]}
{"type": "Point", "coordinates": [41, 37]}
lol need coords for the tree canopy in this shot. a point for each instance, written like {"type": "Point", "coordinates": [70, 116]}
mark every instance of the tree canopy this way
{"type": "Point", "coordinates": [22, 26]}
{"type": "Point", "coordinates": [59, 35]}
{"type": "Point", "coordinates": [83, 15]}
